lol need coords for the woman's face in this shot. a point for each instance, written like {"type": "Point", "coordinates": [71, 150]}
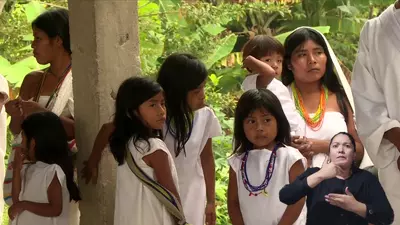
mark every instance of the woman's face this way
{"type": "Point", "coordinates": [308, 62]}
{"type": "Point", "coordinates": [341, 151]}
{"type": "Point", "coordinates": [44, 48]}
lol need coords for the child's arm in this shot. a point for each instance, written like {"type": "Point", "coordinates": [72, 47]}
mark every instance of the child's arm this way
{"type": "Point", "coordinates": [16, 181]}
{"type": "Point", "coordinates": [208, 165]}
{"type": "Point", "coordinates": [90, 170]}
{"type": "Point", "coordinates": [292, 212]}
{"type": "Point", "coordinates": [158, 160]}
{"type": "Point", "coordinates": [233, 200]}
{"type": "Point", "coordinates": [265, 72]}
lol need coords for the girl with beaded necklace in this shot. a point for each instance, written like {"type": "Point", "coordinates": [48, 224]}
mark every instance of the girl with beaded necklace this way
{"type": "Point", "coordinates": [262, 163]}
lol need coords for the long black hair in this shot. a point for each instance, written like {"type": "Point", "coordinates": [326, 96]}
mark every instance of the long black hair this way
{"type": "Point", "coordinates": [131, 94]}
{"type": "Point", "coordinates": [249, 102]}
{"type": "Point", "coordinates": [179, 74]}
{"type": "Point", "coordinates": [330, 80]}
{"type": "Point", "coordinates": [51, 145]}
{"type": "Point", "coordinates": [55, 22]}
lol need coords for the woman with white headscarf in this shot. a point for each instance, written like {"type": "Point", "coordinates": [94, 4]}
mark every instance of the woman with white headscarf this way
{"type": "Point", "coordinates": [320, 92]}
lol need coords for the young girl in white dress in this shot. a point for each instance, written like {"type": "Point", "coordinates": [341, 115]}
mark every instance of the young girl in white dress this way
{"type": "Point", "coordinates": [42, 189]}
{"type": "Point", "coordinates": [262, 163]}
{"type": "Point", "coordinates": [190, 127]}
{"type": "Point", "coordinates": [140, 114]}
{"type": "Point", "coordinates": [187, 132]}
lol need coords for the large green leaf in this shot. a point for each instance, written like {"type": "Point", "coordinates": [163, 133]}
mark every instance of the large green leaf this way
{"type": "Point", "coordinates": [222, 50]}
{"type": "Point", "coordinates": [33, 9]}
{"type": "Point", "coordinates": [282, 37]}
{"type": "Point", "coordinates": [213, 29]}
{"type": "Point", "coordinates": [15, 73]}
{"type": "Point", "coordinates": [4, 62]}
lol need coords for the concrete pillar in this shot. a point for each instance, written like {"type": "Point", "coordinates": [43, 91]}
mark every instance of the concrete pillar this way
{"type": "Point", "coordinates": [105, 46]}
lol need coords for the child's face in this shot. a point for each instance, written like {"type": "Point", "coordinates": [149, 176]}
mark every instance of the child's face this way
{"type": "Point", "coordinates": [153, 112]}
{"type": "Point", "coordinates": [28, 151]}
{"type": "Point", "coordinates": [260, 128]}
{"type": "Point", "coordinates": [275, 61]}
{"type": "Point", "coordinates": [196, 97]}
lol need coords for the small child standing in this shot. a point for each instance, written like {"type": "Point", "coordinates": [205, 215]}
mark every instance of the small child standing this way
{"type": "Point", "coordinates": [262, 163]}
{"type": "Point", "coordinates": [263, 56]}
{"type": "Point", "coordinates": [147, 182]}
{"type": "Point", "coordinates": [42, 190]}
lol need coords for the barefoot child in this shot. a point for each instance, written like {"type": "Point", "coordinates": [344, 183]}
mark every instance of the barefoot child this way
{"type": "Point", "coordinates": [263, 162]}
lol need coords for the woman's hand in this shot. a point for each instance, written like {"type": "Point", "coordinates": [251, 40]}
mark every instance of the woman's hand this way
{"type": "Point", "coordinates": [303, 145]}
{"type": "Point", "coordinates": [329, 170]}
{"type": "Point", "coordinates": [29, 107]}
{"type": "Point", "coordinates": [16, 209]}
{"type": "Point", "coordinates": [14, 108]}
{"type": "Point", "coordinates": [211, 215]}
{"type": "Point", "coordinates": [347, 202]}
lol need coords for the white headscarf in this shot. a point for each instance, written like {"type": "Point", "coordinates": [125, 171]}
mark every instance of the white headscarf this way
{"type": "Point", "coordinates": [338, 69]}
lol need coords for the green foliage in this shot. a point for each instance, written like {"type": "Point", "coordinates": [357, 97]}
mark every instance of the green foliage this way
{"type": "Point", "coordinates": [215, 34]}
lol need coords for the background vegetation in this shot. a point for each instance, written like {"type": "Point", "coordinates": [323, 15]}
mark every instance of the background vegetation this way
{"type": "Point", "coordinates": [215, 31]}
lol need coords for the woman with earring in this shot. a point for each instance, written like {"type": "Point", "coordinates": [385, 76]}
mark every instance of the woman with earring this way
{"type": "Point", "coordinates": [340, 193]}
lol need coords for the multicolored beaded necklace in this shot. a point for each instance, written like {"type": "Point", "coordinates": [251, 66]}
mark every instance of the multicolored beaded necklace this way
{"type": "Point", "coordinates": [316, 121]}
{"type": "Point", "coordinates": [261, 189]}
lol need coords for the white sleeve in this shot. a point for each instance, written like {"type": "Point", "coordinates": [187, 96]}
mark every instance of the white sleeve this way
{"type": "Point", "coordinates": [51, 171]}
{"type": "Point", "coordinates": [234, 163]}
{"type": "Point", "coordinates": [250, 82]}
{"type": "Point", "coordinates": [213, 126]}
{"type": "Point", "coordinates": [285, 98]}
{"type": "Point", "coordinates": [3, 90]}
{"type": "Point", "coordinates": [293, 156]}
{"type": "Point", "coordinates": [372, 117]}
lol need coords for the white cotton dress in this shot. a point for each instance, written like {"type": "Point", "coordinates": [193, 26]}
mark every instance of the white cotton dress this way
{"type": "Point", "coordinates": [190, 172]}
{"type": "Point", "coordinates": [333, 123]}
{"type": "Point", "coordinates": [135, 203]}
{"type": "Point", "coordinates": [263, 209]}
{"type": "Point", "coordinates": [36, 179]}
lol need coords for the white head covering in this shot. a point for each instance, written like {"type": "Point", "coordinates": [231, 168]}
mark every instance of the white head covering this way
{"type": "Point", "coordinates": [338, 70]}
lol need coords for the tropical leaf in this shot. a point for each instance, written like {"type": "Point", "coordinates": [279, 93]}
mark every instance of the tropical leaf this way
{"type": "Point", "coordinates": [213, 29]}
{"type": "Point", "coordinates": [33, 9]}
{"type": "Point", "coordinates": [282, 37]}
{"type": "Point", "coordinates": [223, 49]}
{"type": "Point", "coordinates": [4, 62]}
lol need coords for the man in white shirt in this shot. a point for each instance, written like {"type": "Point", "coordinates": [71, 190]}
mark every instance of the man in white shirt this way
{"type": "Point", "coordinates": [376, 92]}
{"type": "Point", "coordinates": [3, 134]}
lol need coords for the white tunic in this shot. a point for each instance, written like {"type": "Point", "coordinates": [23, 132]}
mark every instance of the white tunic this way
{"type": "Point", "coordinates": [36, 179]}
{"type": "Point", "coordinates": [263, 209]}
{"type": "Point", "coordinates": [3, 134]}
{"type": "Point", "coordinates": [333, 123]}
{"type": "Point", "coordinates": [190, 172]}
{"type": "Point", "coordinates": [135, 203]}
{"type": "Point", "coordinates": [376, 90]}
{"type": "Point", "coordinates": [285, 98]}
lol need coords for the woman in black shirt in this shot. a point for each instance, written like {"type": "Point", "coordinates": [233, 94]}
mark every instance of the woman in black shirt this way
{"type": "Point", "coordinates": [340, 193]}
